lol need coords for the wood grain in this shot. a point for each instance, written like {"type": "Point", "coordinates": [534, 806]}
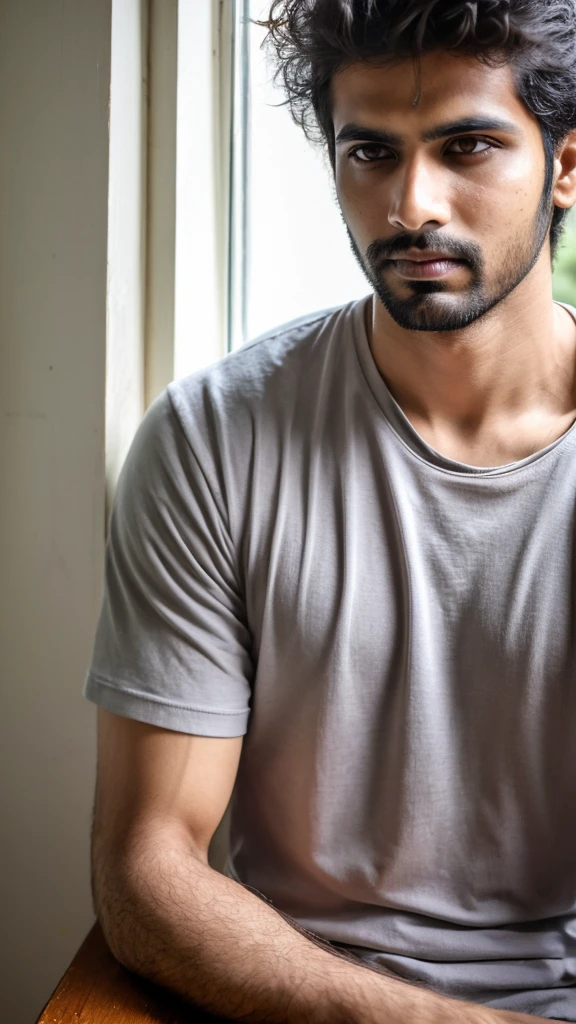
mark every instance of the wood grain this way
{"type": "Point", "coordinates": [97, 989]}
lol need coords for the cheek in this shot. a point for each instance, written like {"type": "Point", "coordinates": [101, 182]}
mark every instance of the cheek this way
{"type": "Point", "coordinates": [505, 195]}
{"type": "Point", "coordinates": [364, 204]}
{"type": "Point", "coordinates": [495, 211]}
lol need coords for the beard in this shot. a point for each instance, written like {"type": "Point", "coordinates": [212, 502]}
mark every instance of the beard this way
{"type": "Point", "coordinates": [431, 305]}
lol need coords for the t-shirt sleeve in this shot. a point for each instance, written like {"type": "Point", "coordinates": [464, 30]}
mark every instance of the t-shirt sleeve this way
{"type": "Point", "coordinates": [172, 646]}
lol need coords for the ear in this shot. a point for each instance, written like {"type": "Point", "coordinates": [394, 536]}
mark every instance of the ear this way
{"type": "Point", "coordinates": [565, 173]}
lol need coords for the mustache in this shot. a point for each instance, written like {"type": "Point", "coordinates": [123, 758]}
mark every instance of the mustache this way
{"type": "Point", "coordinates": [388, 248]}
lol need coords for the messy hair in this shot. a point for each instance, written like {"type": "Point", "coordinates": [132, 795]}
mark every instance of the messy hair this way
{"type": "Point", "coordinates": [310, 40]}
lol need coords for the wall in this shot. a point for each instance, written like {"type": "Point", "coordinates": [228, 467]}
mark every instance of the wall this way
{"type": "Point", "coordinates": [54, 84]}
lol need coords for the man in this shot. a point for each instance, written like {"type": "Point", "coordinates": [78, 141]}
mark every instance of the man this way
{"type": "Point", "coordinates": [340, 578]}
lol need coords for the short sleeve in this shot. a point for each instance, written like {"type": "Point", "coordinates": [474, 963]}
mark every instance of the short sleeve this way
{"type": "Point", "coordinates": [172, 646]}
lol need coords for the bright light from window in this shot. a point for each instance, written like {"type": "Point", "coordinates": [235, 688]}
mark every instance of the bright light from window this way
{"type": "Point", "coordinates": [298, 258]}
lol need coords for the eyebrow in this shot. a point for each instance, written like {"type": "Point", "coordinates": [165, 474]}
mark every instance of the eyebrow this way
{"type": "Point", "coordinates": [355, 132]}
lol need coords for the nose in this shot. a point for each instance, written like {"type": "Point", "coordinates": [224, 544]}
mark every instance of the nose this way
{"type": "Point", "coordinates": [418, 199]}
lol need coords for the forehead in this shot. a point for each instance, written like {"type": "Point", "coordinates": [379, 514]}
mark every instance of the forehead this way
{"type": "Point", "coordinates": [450, 87]}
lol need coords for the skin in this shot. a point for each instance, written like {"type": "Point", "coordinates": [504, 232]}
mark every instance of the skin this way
{"type": "Point", "coordinates": [503, 386]}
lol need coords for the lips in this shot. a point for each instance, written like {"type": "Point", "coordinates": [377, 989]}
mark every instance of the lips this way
{"type": "Point", "coordinates": [434, 267]}
{"type": "Point", "coordinates": [426, 256]}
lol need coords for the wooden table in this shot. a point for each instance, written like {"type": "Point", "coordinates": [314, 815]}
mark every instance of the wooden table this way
{"type": "Point", "coordinates": [96, 989]}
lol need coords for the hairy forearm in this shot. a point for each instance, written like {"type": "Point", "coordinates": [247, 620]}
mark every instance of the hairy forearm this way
{"type": "Point", "coordinates": [169, 917]}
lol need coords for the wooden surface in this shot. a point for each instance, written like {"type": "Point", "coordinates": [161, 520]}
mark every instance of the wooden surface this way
{"type": "Point", "coordinates": [96, 989]}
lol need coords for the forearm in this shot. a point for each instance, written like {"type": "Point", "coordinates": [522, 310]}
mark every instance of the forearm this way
{"type": "Point", "coordinates": [168, 916]}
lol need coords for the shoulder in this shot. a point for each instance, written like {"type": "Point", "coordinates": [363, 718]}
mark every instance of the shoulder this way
{"type": "Point", "coordinates": [278, 363]}
{"type": "Point", "coordinates": [207, 430]}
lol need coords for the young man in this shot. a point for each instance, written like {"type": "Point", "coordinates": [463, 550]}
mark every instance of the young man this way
{"type": "Point", "coordinates": [340, 579]}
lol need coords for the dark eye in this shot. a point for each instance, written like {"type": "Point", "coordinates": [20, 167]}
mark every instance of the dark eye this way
{"type": "Point", "coordinates": [468, 146]}
{"type": "Point", "coordinates": [369, 152]}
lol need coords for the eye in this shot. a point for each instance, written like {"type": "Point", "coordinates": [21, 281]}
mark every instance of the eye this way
{"type": "Point", "coordinates": [469, 144]}
{"type": "Point", "coordinates": [369, 153]}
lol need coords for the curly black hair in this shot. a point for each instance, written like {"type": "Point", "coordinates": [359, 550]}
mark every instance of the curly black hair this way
{"type": "Point", "coordinates": [310, 40]}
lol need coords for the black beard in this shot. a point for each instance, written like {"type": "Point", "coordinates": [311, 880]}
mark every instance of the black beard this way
{"type": "Point", "coordinates": [422, 311]}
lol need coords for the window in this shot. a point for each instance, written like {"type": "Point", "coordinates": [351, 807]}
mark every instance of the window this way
{"type": "Point", "coordinates": [290, 249]}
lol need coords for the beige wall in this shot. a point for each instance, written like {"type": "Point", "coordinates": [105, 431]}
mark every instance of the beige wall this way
{"type": "Point", "coordinates": [54, 84]}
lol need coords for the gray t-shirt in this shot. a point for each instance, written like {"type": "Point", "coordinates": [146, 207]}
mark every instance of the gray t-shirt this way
{"type": "Point", "coordinates": [394, 633]}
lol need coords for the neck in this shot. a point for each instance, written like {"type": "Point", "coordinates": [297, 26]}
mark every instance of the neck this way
{"type": "Point", "coordinates": [502, 386]}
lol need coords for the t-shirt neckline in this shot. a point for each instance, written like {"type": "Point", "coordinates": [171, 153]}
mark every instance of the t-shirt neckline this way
{"type": "Point", "coordinates": [402, 425]}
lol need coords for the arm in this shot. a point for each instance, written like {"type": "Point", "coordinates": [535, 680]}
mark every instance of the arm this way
{"type": "Point", "coordinates": [168, 916]}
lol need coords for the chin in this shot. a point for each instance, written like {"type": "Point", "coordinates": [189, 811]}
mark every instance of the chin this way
{"type": "Point", "coordinates": [433, 314]}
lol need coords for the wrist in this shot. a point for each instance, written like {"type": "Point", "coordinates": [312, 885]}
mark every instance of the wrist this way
{"type": "Point", "coordinates": [384, 1000]}
{"type": "Point", "coordinates": [373, 998]}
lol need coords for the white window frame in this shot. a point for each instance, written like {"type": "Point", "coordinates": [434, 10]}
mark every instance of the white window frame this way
{"type": "Point", "coordinates": [172, 122]}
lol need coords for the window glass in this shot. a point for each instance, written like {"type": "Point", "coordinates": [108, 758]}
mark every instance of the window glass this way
{"type": "Point", "coordinates": [297, 253]}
